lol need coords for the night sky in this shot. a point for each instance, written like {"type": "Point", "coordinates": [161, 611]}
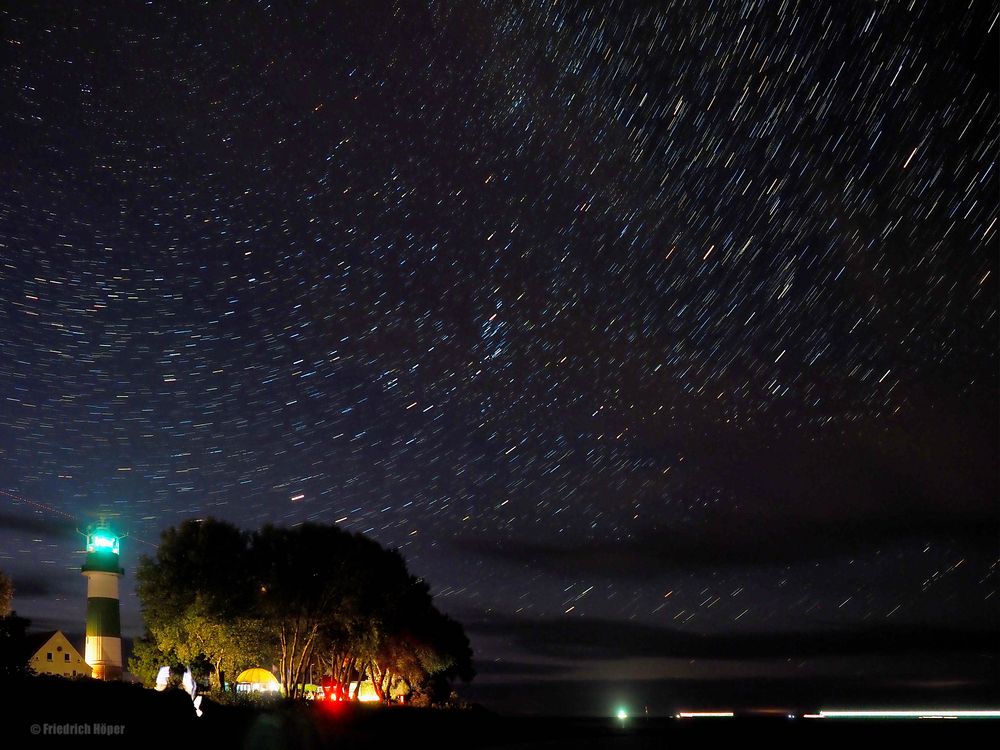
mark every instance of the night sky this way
{"type": "Point", "coordinates": [661, 338]}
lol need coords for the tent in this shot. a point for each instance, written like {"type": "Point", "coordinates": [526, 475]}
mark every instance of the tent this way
{"type": "Point", "coordinates": [257, 680]}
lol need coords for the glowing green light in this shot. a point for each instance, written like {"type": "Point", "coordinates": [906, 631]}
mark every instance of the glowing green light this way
{"type": "Point", "coordinates": [622, 714]}
{"type": "Point", "coordinates": [101, 541]}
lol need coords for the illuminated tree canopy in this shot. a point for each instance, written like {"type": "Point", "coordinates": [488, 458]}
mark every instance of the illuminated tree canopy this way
{"type": "Point", "coordinates": [313, 599]}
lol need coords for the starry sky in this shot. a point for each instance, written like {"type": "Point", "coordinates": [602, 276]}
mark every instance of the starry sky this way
{"type": "Point", "coordinates": [661, 338]}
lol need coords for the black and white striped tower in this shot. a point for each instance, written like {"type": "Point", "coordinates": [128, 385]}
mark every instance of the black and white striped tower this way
{"type": "Point", "coordinates": [104, 631]}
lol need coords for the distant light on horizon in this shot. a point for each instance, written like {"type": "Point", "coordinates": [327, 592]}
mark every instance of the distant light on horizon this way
{"type": "Point", "coordinates": [705, 715]}
{"type": "Point", "coordinates": [922, 713]}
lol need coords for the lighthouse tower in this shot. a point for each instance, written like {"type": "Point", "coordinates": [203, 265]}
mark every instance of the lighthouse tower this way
{"type": "Point", "coordinates": [104, 633]}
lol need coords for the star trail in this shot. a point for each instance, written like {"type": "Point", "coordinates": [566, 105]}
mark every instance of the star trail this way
{"type": "Point", "coordinates": [679, 314]}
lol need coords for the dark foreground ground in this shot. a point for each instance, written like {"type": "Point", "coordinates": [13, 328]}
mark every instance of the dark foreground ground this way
{"type": "Point", "coordinates": [52, 712]}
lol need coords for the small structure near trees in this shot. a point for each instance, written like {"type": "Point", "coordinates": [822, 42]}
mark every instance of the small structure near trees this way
{"type": "Point", "coordinates": [257, 680]}
{"type": "Point", "coordinates": [52, 653]}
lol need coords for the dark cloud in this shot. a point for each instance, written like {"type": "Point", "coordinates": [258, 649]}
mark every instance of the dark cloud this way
{"type": "Point", "coordinates": [939, 460]}
{"type": "Point", "coordinates": [36, 523]}
{"type": "Point", "coordinates": [31, 586]}
{"type": "Point", "coordinates": [742, 540]}
{"type": "Point", "coordinates": [523, 668]}
{"type": "Point", "coordinates": [800, 497]}
{"type": "Point", "coordinates": [35, 584]}
{"type": "Point", "coordinates": [580, 639]}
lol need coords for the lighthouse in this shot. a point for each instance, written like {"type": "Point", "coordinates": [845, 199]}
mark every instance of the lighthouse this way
{"type": "Point", "coordinates": [104, 632]}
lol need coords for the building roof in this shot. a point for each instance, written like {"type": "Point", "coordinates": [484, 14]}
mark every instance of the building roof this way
{"type": "Point", "coordinates": [33, 642]}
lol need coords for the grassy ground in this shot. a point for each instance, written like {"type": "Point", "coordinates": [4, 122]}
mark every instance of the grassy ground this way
{"type": "Point", "coordinates": [50, 711]}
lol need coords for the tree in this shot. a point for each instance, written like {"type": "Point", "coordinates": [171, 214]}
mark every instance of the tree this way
{"type": "Point", "coordinates": [13, 646]}
{"type": "Point", "coordinates": [13, 634]}
{"type": "Point", "coordinates": [6, 594]}
{"type": "Point", "coordinates": [311, 596]}
{"type": "Point", "coordinates": [197, 599]}
{"type": "Point", "coordinates": [309, 582]}
{"type": "Point", "coordinates": [421, 650]}
{"type": "Point", "coordinates": [369, 594]}
{"type": "Point", "coordinates": [452, 657]}
{"type": "Point", "coordinates": [147, 658]}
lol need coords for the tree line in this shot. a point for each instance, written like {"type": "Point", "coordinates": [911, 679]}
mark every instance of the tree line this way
{"type": "Point", "coordinates": [312, 600]}
{"type": "Point", "coordinates": [13, 634]}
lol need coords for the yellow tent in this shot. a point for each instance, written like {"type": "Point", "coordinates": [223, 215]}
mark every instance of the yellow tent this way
{"type": "Point", "coordinates": [257, 680]}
